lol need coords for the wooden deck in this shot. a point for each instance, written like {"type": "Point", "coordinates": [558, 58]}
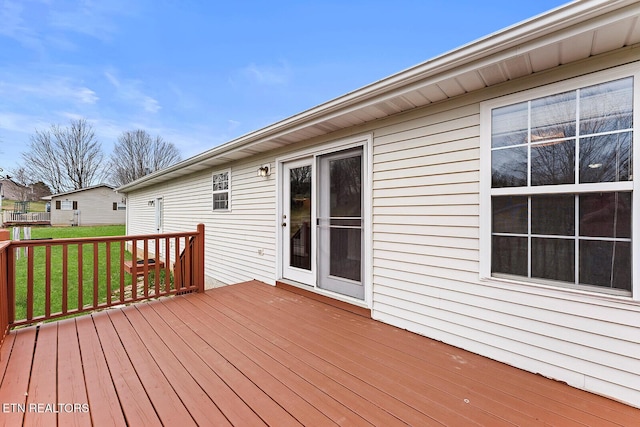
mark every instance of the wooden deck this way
{"type": "Point", "coordinates": [252, 354]}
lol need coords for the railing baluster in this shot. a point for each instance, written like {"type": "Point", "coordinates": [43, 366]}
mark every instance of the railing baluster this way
{"type": "Point", "coordinates": [145, 268]}
{"type": "Point", "coordinates": [47, 281]}
{"type": "Point", "coordinates": [157, 265]}
{"type": "Point", "coordinates": [122, 250]}
{"type": "Point", "coordinates": [80, 278]}
{"type": "Point", "coordinates": [108, 271]}
{"type": "Point", "coordinates": [30, 283]}
{"type": "Point", "coordinates": [177, 270]}
{"type": "Point", "coordinates": [134, 269]}
{"type": "Point", "coordinates": [65, 278]}
{"type": "Point", "coordinates": [167, 263]}
{"type": "Point", "coordinates": [95, 275]}
{"type": "Point", "coordinates": [188, 262]}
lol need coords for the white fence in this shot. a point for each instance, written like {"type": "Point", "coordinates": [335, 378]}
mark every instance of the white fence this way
{"type": "Point", "coordinates": [26, 218]}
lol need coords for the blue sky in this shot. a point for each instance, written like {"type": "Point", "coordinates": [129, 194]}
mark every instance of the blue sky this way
{"type": "Point", "coordinates": [200, 73]}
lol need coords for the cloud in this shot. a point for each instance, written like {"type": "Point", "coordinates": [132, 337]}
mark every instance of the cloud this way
{"type": "Point", "coordinates": [60, 89]}
{"type": "Point", "coordinates": [15, 27]}
{"type": "Point", "coordinates": [129, 90]}
{"type": "Point", "coordinates": [267, 75]}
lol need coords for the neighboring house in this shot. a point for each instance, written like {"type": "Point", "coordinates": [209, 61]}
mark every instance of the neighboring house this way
{"type": "Point", "coordinates": [95, 205]}
{"type": "Point", "coordinates": [483, 198]}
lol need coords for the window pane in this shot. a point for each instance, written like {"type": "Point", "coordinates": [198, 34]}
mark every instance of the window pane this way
{"type": "Point", "coordinates": [346, 187]}
{"type": "Point", "coordinates": [509, 214]}
{"type": "Point", "coordinates": [346, 249]}
{"type": "Point", "coordinates": [509, 125]}
{"type": "Point", "coordinates": [221, 201]}
{"type": "Point", "coordinates": [606, 158]}
{"type": "Point", "coordinates": [509, 167]}
{"type": "Point", "coordinates": [553, 163]}
{"type": "Point", "coordinates": [605, 215]}
{"type": "Point", "coordinates": [553, 259]}
{"type": "Point", "coordinates": [606, 107]}
{"type": "Point", "coordinates": [509, 255]}
{"type": "Point", "coordinates": [221, 181]}
{"type": "Point", "coordinates": [553, 117]}
{"type": "Point", "coordinates": [553, 215]}
{"type": "Point", "coordinates": [606, 264]}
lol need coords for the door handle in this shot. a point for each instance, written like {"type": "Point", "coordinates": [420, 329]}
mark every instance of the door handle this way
{"type": "Point", "coordinates": [284, 224]}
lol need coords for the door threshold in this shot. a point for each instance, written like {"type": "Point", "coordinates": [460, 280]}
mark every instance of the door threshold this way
{"type": "Point", "coordinates": [304, 290]}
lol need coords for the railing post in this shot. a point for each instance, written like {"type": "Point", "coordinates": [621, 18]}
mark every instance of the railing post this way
{"type": "Point", "coordinates": [11, 284]}
{"type": "Point", "coordinates": [200, 258]}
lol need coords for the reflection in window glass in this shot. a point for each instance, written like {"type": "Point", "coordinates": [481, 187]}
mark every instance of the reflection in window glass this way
{"type": "Point", "coordinates": [509, 214]}
{"type": "Point", "coordinates": [509, 167]}
{"type": "Point", "coordinates": [509, 125]}
{"type": "Point", "coordinates": [553, 163]}
{"type": "Point", "coordinates": [605, 215]}
{"type": "Point", "coordinates": [553, 117]}
{"type": "Point", "coordinates": [523, 237]}
{"type": "Point", "coordinates": [606, 107]}
{"type": "Point", "coordinates": [606, 158]}
{"type": "Point", "coordinates": [606, 264]}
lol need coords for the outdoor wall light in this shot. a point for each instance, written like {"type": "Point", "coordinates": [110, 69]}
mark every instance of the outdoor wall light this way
{"type": "Point", "coordinates": [264, 170]}
{"type": "Point", "coordinates": [151, 203]}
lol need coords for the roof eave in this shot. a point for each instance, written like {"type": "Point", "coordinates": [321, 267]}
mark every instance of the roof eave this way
{"type": "Point", "coordinates": [506, 41]}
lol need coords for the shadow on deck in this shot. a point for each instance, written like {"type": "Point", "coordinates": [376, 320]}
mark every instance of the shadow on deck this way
{"type": "Point", "coordinates": [251, 354]}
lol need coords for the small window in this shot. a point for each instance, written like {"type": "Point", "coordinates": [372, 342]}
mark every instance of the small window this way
{"type": "Point", "coordinates": [561, 186]}
{"type": "Point", "coordinates": [221, 190]}
{"type": "Point", "coordinates": [68, 205]}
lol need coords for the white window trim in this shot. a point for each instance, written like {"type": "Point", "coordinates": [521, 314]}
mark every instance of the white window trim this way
{"type": "Point", "coordinates": [630, 70]}
{"type": "Point", "coordinates": [66, 205]}
{"type": "Point", "coordinates": [228, 190]}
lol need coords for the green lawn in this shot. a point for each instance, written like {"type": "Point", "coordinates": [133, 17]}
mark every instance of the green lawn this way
{"type": "Point", "coordinates": [87, 269]}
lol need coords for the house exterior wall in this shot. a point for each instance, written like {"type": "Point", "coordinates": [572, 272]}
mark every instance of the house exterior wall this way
{"type": "Point", "coordinates": [426, 246]}
{"type": "Point", "coordinates": [95, 207]}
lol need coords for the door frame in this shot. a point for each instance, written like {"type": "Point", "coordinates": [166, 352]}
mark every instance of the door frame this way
{"type": "Point", "coordinates": [366, 142]}
{"type": "Point", "coordinates": [299, 275]}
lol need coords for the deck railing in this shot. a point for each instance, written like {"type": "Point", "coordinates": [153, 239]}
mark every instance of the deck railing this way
{"type": "Point", "coordinates": [48, 279]}
{"type": "Point", "coordinates": [26, 218]}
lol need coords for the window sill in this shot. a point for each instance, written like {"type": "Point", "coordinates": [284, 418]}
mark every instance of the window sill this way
{"type": "Point", "coordinates": [568, 292]}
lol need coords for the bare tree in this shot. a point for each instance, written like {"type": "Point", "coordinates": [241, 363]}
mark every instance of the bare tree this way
{"type": "Point", "coordinates": [137, 154]}
{"type": "Point", "coordinates": [65, 158]}
{"type": "Point", "coordinates": [20, 176]}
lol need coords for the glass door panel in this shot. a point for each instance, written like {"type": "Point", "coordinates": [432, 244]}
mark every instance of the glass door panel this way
{"type": "Point", "coordinates": [340, 223]}
{"type": "Point", "coordinates": [297, 205]}
{"type": "Point", "coordinates": [300, 217]}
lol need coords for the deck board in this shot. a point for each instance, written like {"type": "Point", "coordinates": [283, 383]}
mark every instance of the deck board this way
{"type": "Point", "coordinates": [252, 354]}
{"type": "Point", "coordinates": [102, 397]}
{"type": "Point", "coordinates": [71, 385]}
{"type": "Point", "coordinates": [42, 384]}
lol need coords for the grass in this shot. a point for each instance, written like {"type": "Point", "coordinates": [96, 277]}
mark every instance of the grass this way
{"type": "Point", "coordinates": [87, 269]}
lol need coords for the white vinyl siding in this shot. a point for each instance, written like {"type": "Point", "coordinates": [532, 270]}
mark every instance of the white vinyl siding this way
{"type": "Point", "coordinates": [233, 243]}
{"type": "Point", "coordinates": [427, 255]}
{"type": "Point", "coordinates": [93, 206]}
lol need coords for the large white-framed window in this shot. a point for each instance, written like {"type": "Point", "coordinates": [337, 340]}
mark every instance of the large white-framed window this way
{"type": "Point", "coordinates": [557, 201]}
{"type": "Point", "coordinates": [221, 190]}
